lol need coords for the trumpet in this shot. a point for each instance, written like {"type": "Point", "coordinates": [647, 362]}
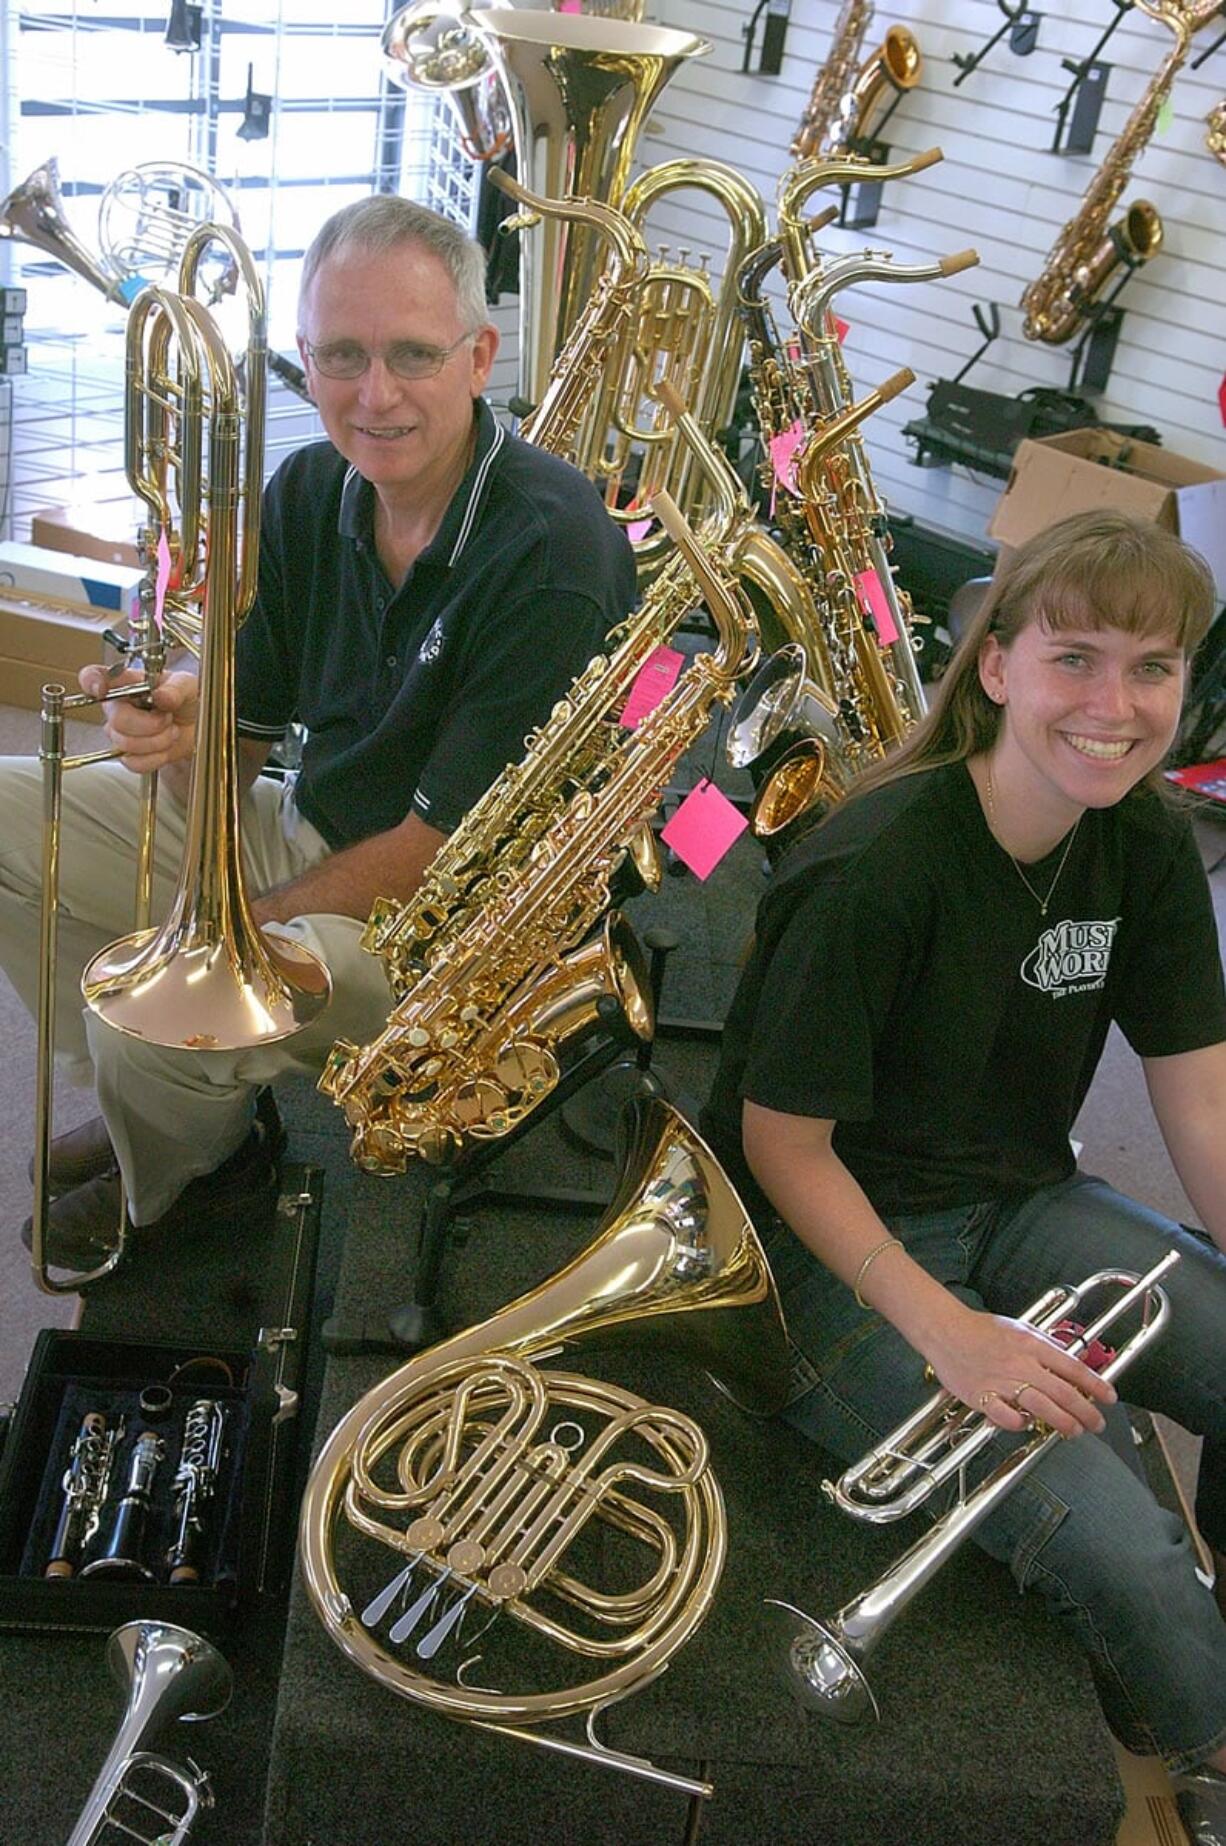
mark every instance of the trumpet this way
{"type": "Point", "coordinates": [169, 1672]}
{"type": "Point", "coordinates": [823, 1665]}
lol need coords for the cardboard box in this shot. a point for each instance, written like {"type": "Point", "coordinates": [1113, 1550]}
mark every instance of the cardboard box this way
{"type": "Point", "coordinates": [62, 638]}
{"type": "Point", "coordinates": [87, 583]}
{"type": "Point", "coordinates": [22, 682]}
{"type": "Point", "coordinates": [1083, 469]}
{"type": "Point", "coordinates": [104, 530]}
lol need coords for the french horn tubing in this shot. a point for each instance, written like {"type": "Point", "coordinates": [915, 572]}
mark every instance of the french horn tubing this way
{"type": "Point", "coordinates": [464, 1468]}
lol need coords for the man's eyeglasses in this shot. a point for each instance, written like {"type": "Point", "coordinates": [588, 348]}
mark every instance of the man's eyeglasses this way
{"type": "Point", "coordinates": [407, 358]}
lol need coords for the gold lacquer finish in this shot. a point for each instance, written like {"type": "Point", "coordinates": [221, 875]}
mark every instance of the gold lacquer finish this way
{"type": "Point", "coordinates": [444, 1467]}
{"type": "Point", "coordinates": [1215, 130]}
{"type": "Point", "coordinates": [1091, 248]}
{"type": "Point", "coordinates": [207, 978]}
{"type": "Point", "coordinates": [846, 99]}
{"type": "Point", "coordinates": [579, 91]}
{"type": "Point", "coordinates": [468, 1050]}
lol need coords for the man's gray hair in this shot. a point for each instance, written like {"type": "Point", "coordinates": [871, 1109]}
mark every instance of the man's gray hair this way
{"type": "Point", "coordinates": [385, 221]}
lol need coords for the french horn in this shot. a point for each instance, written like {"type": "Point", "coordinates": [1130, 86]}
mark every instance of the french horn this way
{"type": "Point", "coordinates": [474, 1472]}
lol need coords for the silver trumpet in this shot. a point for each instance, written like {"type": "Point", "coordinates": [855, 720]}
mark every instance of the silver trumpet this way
{"type": "Point", "coordinates": [824, 1663]}
{"type": "Point", "coordinates": [169, 1673]}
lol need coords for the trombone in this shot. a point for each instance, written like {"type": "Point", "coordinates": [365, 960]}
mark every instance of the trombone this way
{"type": "Point", "coordinates": [823, 1666]}
{"type": "Point", "coordinates": [207, 978]}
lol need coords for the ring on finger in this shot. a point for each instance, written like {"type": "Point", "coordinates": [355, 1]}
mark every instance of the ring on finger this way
{"type": "Point", "coordinates": [1016, 1399]}
{"type": "Point", "coordinates": [985, 1397]}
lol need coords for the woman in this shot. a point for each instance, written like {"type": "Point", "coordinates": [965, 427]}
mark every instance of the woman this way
{"type": "Point", "coordinates": [934, 976]}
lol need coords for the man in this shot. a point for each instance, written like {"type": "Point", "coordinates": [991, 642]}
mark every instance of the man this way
{"type": "Point", "coordinates": [429, 586]}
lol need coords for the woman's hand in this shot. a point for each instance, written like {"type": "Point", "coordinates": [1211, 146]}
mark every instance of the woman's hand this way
{"type": "Point", "coordinates": [153, 737]}
{"type": "Point", "coordinates": [1016, 1375]}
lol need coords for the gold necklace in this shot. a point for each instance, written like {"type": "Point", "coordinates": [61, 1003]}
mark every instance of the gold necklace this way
{"type": "Point", "coordinates": [1042, 902]}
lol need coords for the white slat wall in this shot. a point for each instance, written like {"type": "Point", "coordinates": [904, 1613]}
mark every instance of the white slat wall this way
{"type": "Point", "coordinates": [1000, 189]}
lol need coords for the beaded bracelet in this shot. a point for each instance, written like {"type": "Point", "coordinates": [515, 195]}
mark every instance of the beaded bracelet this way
{"type": "Point", "coordinates": [869, 1260]}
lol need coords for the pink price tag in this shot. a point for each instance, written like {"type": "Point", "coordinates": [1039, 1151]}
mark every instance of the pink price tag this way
{"type": "Point", "coordinates": [571, 6]}
{"type": "Point", "coordinates": [162, 580]}
{"type": "Point", "coordinates": [654, 681]}
{"type": "Point", "coordinates": [704, 828]}
{"type": "Point", "coordinates": [783, 449]}
{"type": "Point", "coordinates": [873, 602]}
{"type": "Point", "coordinates": [842, 328]}
{"type": "Point", "coordinates": [639, 528]}
{"type": "Point", "coordinates": [1221, 397]}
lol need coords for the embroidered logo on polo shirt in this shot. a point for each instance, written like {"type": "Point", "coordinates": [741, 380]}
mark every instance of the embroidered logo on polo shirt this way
{"type": "Point", "coordinates": [432, 646]}
{"type": "Point", "coordinates": [1071, 958]}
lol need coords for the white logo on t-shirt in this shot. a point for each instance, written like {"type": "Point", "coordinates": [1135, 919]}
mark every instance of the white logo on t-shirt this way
{"type": "Point", "coordinates": [1071, 958]}
{"type": "Point", "coordinates": [432, 646]}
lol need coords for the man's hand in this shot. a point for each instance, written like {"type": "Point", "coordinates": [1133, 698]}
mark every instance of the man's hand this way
{"type": "Point", "coordinates": [147, 739]}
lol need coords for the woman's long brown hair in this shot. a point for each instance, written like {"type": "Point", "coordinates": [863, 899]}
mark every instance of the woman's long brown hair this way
{"type": "Point", "coordinates": [1093, 571]}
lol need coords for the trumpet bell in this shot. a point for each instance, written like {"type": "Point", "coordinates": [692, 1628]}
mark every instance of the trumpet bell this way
{"type": "Point", "coordinates": [818, 1668]}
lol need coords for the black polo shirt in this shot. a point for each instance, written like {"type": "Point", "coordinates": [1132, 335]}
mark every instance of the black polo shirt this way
{"type": "Point", "coordinates": [416, 698]}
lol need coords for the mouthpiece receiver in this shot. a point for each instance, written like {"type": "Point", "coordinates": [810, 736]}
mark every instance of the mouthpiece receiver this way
{"type": "Point", "coordinates": [961, 259]}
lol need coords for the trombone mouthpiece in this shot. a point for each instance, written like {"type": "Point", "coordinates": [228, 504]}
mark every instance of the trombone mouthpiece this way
{"type": "Point", "coordinates": [899, 381]}
{"type": "Point", "coordinates": [961, 259]}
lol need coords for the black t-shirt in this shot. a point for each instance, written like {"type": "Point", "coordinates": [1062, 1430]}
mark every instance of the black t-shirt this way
{"type": "Point", "coordinates": [905, 985]}
{"type": "Point", "coordinates": [417, 698]}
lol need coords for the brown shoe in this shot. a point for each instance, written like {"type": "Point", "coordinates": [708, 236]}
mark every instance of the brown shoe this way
{"type": "Point", "coordinates": [82, 1224]}
{"type": "Point", "coordinates": [85, 1153]}
{"type": "Point", "coordinates": [81, 1154]}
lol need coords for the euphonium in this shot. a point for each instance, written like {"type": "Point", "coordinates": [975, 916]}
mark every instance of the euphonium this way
{"type": "Point", "coordinates": [168, 1672]}
{"type": "Point", "coordinates": [579, 91]}
{"type": "Point", "coordinates": [441, 1465]}
{"type": "Point", "coordinates": [686, 333]}
{"type": "Point", "coordinates": [1090, 248]}
{"type": "Point", "coordinates": [824, 1663]}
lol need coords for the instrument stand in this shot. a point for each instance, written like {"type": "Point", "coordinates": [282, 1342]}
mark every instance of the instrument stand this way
{"type": "Point", "coordinates": [1023, 28]}
{"type": "Point", "coordinates": [418, 1323]}
{"type": "Point", "coordinates": [1094, 352]}
{"type": "Point", "coordinates": [1084, 96]}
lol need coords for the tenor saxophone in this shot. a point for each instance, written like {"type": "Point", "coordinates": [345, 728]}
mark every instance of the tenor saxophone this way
{"type": "Point", "coordinates": [1090, 249]}
{"type": "Point", "coordinates": [846, 94]}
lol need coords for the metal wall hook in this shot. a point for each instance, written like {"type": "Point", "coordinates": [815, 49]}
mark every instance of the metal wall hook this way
{"type": "Point", "coordinates": [1209, 50]}
{"type": "Point", "coordinates": [1084, 96]}
{"type": "Point", "coordinates": [1020, 23]}
{"type": "Point", "coordinates": [987, 319]}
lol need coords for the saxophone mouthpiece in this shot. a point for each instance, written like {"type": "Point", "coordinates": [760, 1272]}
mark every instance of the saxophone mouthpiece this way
{"type": "Point", "coordinates": [929, 158]}
{"type": "Point", "coordinates": [896, 383]}
{"type": "Point", "coordinates": [961, 259]}
{"type": "Point", "coordinates": [822, 219]}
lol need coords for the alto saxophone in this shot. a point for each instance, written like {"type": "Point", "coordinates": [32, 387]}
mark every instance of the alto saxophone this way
{"type": "Point", "coordinates": [1089, 249]}
{"type": "Point", "coordinates": [470, 1049]}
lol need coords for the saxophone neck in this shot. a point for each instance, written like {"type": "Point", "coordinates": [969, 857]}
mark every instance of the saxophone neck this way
{"type": "Point", "coordinates": [729, 503]}
{"type": "Point", "coordinates": [629, 249]}
{"type": "Point", "coordinates": [708, 565]}
{"type": "Point", "coordinates": [836, 429]}
{"type": "Point", "coordinates": [811, 296]}
{"type": "Point", "coordinates": [801, 181]}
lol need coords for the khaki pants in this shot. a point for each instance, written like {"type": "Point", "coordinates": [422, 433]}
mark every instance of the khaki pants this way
{"type": "Point", "coordinates": [172, 1114]}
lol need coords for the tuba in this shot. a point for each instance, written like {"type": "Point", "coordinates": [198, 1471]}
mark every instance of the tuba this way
{"type": "Point", "coordinates": [579, 91]}
{"type": "Point", "coordinates": [442, 1466]}
{"type": "Point", "coordinates": [824, 1662]}
{"type": "Point", "coordinates": [169, 1673]}
{"type": "Point", "coordinates": [1090, 248]}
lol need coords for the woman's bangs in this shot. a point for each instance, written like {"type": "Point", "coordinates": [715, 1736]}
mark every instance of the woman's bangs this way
{"type": "Point", "coordinates": [1142, 601]}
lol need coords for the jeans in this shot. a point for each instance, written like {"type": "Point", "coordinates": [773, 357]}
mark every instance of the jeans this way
{"type": "Point", "coordinates": [1082, 1529]}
